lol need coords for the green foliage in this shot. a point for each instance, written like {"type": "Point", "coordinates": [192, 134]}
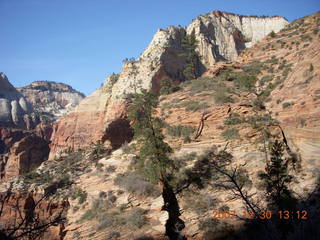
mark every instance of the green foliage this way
{"type": "Point", "coordinates": [79, 194]}
{"type": "Point", "coordinates": [311, 67]}
{"type": "Point", "coordinates": [192, 105]}
{"type": "Point", "coordinates": [180, 130]}
{"type": "Point", "coordinates": [136, 184]}
{"type": "Point", "coordinates": [221, 97]}
{"type": "Point", "coordinates": [260, 121]}
{"type": "Point", "coordinates": [272, 34]}
{"type": "Point", "coordinates": [113, 235]}
{"type": "Point", "coordinates": [97, 149]}
{"type": "Point", "coordinates": [234, 119]}
{"type": "Point", "coordinates": [208, 224]}
{"type": "Point", "coordinates": [154, 160]}
{"type": "Point", "coordinates": [277, 179]}
{"type": "Point", "coordinates": [230, 133]}
{"type": "Point", "coordinates": [137, 218]}
{"type": "Point", "coordinates": [189, 45]}
{"type": "Point", "coordinates": [114, 78]}
{"type": "Point", "coordinates": [167, 86]}
{"type": "Point", "coordinates": [287, 104]}
{"type": "Point", "coordinates": [245, 81]}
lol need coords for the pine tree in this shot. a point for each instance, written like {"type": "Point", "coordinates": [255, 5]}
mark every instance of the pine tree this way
{"type": "Point", "coordinates": [189, 44]}
{"type": "Point", "coordinates": [277, 179]}
{"type": "Point", "coordinates": [154, 160]}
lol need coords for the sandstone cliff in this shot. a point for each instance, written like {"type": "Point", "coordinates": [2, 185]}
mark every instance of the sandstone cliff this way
{"type": "Point", "coordinates": [51, 98]}
{"type": "Point", "coordinates": [222, 36]}
{"type": "Point", "coordinates": [15, 111]}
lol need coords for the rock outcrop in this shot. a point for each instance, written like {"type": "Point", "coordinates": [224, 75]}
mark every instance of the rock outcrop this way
{"type": "Point", "coordinates": [51, 99]}
{"type": "Point", "coordinates": [23, 156]}
{"type": "Point", "coordinates": [222, 36]}
{"type": "Point", "coordinates": [15, 111]}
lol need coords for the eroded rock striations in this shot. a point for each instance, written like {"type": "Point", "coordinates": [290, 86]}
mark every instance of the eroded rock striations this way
{"type": "Point", "coordinates": [51, 98]}
{"type": "Point", "coordinates": [222, 36]}
{"type": "Point", "coordinates": [15, 111]}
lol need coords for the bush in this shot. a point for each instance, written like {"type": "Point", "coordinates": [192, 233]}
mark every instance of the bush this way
{"type": "Point", "coordinates": [167, 86]}
{"type": "Point", "coordinates": [136, 184]}
{"type": "Point", "coordinates": [137, 218]}
{"type": "Point", "coordinates": [287, 104]}
{"type": "Point", "coordinates": [193, 106]}
{"type": "Point", "coordinates": [208, 224]}
{"type": "Point", "coordinates": [233, 119]}
{"type": "Point", "coordinates": [230, 133]}
{"type": "Point", "coordinates": [245, 81]}
{"type": "Point", "coordinates": [113, 235]}
{"type": "Point", "coordinates": [180, 130]}
{"type": "Point", "coordinates": [272, 34]}
{"type": "Point", "coordinates": [221, 97]}
{"type": "Point", "coordinates": [80, 194]}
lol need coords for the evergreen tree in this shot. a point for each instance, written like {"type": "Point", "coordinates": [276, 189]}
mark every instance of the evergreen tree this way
{"type": "Point", "coordinates": [277, 179]}
{"type": "Point", "coordinates": [154, 160]}
{"type": "Point", "coordinates": [189, 44]}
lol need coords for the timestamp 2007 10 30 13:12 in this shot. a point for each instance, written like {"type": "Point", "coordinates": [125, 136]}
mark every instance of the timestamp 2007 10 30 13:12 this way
{"type": "Point", "coordinates": [264, 214]}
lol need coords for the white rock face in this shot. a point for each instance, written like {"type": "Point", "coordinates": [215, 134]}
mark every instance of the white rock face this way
{"type": "Point", "coordinates": [222, 36]}
{"type": "Point", "coordinates": [51, 98]}
{"type": "Point", "coordinates": [15, 111]}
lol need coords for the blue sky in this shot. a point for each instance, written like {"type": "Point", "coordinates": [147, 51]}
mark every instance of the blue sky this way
{"type": "Point", "coordinates": [80, 42]}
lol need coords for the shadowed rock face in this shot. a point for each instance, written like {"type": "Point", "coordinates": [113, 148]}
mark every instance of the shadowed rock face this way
{"type": "Point", "coordinates": [23, 156]}
{"type": "Point", "coordinates": [15, 111]}
{"type": "Point", "coordinates": [222, 36]}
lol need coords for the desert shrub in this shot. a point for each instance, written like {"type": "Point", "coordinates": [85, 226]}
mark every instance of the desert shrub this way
{"type": "Point", "coordinates": [110, 219]}
{"type": "Point", "coordinates": [180, 130]}
{"type": "Point", "coordinates": [258, 121]}
{"type": "Point", "coordinates": [208, 224]}
{"type": "Point", "coordinates": [233, 119]}
{"type": "Point", "coordinates": [258, 103]}
{"type": "Point", "coordinates": [311, 67]}
{"type": "Point", "coordinates": [113, 235]}
{"type": "Point", "coordinates": [287, 104]}
{"type": "Point", "coordinates": [136, 184]}
{"type": "Point", "coordinates": [79, 194]}
{"type": "Point", "coordinates": [221, 97]}
{"type": "Point", "coordinates": [193, 105]}
{"type": "Point", "coordinates": [110, 169]}
{"type": "Point", "coordinates": [102, 194]}
{"type": "Point", "coordinates": [230, 133]}
{"type": "Point", "coordinates": [266, 79]}
{"type": "Point", "coordinates": [76, 235]}
{"type": "Point", "coordinates": [272, 34]}
{"type": "Point", "coordinates": [245, 81]}
{"type": "Point", "coordinates": [137, 218]}
{"type": "Point", "coordinates": [202, 204]}
{"type": "Point", "coordinates": [167, 86]}
{"type": "Point", "coordinates": [253, 68]}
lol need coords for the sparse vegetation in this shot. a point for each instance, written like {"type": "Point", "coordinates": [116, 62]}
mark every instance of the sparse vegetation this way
{"type": "Point", "coordinates": [233, 119]}
{"type": "Point", "coordinates": [136, 184]}
{"type": "Point", "coordinates": [287, 104]}
{"type": "Point", "coordinates": [230, 133]}
{"type": "Point", "coordinates": [180, 130]}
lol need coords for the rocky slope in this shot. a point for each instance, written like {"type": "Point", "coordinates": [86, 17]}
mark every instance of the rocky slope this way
{"type": "Point", "coordinates": [15, 110]}
{"type": "Point", "coordinates": [51, 98]}
{"type": "Point", "coordinates": [270, 92]}
{"type": "Point", "coordinates": [222, 36]}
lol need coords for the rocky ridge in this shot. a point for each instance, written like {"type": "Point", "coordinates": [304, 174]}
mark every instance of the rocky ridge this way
{"type": "Point", "coordinates": [51, 98]}
{"type": "Point", "coordinates": [222, 36]}
{"type": "Point", "coordinates": [15, 110]}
